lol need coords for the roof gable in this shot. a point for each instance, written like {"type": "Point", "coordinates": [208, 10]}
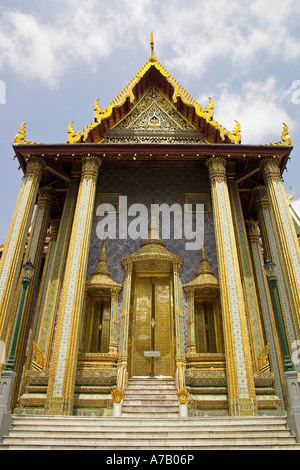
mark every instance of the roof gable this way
{"type": "Point", "coordinates": [153, 74]}
{"type": "Point", "coordinates": [154, 120]}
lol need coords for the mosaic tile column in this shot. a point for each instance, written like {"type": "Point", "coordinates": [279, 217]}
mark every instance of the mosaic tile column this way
{"type": "Point", "coordinates": [40, 301]}
{"type": "Point", "coordinates": [273, 250]}
{"type": "Point", "coordinates": [50, 305]}
{"type": "Point", "coordinates": [34, 253]}
{"type": "Point", "coordinates": [125, 309]}
{"type": "Point", "coordinates": [179, 327]}
{"type": "Point", "coordinates": [285, 226]}
{"type": "Point", "coordinates": [60, 393]}
{"type": "Point", "coordinates": [249, 287]}
{"type": "Point", "coordinates": [191, 343]}
{"type": "Point", "coordinates": [240, 381]}
{"type": "Point", "coordinates": [275, 356]}
{"type": "Point", "coordinates": [11, 260]}
{"type": "Point", "coordinates": [113, 340]}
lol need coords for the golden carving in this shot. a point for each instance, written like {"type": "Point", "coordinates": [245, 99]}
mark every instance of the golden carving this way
{"type": "Point", "coordinates": [38, 361]}
{"type": "Point", "coordinates": [263, 360]}
{"type": "Point", "coordinates": [20, 138]}
{"type": "Point", "coordinates": [117, 395]}
{"type": "Point", "coordinates": [285, 137]}
{"type": "Point", "coordinates": [183, 396]}
{"type": "Point", "coordinates": [235, 135]}
{"type": "Point", "coordinates": [291, 197]}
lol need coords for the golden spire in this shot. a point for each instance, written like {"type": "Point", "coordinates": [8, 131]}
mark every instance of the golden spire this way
{"type": "Point", "coordinates": [101, 267]}
{"type": "Point", "coordinates": [152, 58]}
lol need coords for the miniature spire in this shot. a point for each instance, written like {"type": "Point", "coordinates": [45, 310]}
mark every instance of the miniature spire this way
{"type": "Point", "coordinates": [204, 266]}
{"type": "Point", "coordinates": [152, 58]}
{"type": "Point", "coordinates": [101, 267]}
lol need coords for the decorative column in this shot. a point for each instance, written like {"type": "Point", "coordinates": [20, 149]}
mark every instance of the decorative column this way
{"type": "Point", "coordinates": [191, 343]}
{"type": "Point", "coordinates": [285, 227]}
{"type": "Point", "coordinates": [273, 251]}
{"type": "Point", "coordinates": [240, 381]}
{"type": "Point", "coordinates": [182, 393]}
{"type": "Point", "coordinates": [123, 351]}
{"type": "Point", "coordinates": [113, 340]}
{"type": "Point", "coordinates": [267, 311]}
{"type": "Point", "coordinates": [11, 259]}
{"type": "Point", "coordinates": [30, 357]}
{"type": "Point", "coordinates": [34, 254]}
{"type": "Point", "coordinates": [249, 288]}
{"type": "Point", "coordinates": [60, 393]}
{"type": "Point", "coordinates": [49, 308]}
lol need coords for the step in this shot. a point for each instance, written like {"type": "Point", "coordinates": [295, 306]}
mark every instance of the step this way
{"type": "Point", "coordinates": [115, 421]}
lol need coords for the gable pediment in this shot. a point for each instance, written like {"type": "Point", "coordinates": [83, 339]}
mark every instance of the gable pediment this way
{"type": "Point", "coordinates": [154, 119]}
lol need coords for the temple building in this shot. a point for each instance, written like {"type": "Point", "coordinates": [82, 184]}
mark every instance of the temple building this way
{"type": "Point", "coordinates": [114, 297]}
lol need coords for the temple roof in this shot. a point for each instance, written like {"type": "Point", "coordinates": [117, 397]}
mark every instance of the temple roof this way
{"type": "Point", "coordinates": [153, 73]}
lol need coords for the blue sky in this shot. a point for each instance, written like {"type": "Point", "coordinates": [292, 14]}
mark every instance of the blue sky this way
{"type": "Point", "coordinates": [58, 57]}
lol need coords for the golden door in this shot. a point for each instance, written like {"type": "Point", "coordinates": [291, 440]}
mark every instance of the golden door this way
{"type": "Point", "coordinates": [152, 327]}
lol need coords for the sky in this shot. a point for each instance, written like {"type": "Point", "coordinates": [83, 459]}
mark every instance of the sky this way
{"type": "Point", "coordinates": [58, 57]}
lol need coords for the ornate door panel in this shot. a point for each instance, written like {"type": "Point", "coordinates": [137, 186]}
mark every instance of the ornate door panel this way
{"type": "Point", "coordinates": [151, 326]}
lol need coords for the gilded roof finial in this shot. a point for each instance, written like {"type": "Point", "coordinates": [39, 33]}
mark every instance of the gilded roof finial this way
{"type": "Point", "coordinates": [291, 197]}
{"type": "Point", "coordinates": [152, 58]}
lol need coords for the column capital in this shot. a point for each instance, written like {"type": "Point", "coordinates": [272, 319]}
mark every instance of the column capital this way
{"type": "Point", "coordinates": [90, 167]}
{"type": "Point", "coordinates": [76, 168]}
{"type": "Point", "coordinates": [231, 171]}
{"type": "Point", "coordinates": [35, 166]}
{"type": "Point", "coordinates": [261, 197]}
{"type": "Point", "coordinates": [128, 268]}
{"type": "Point", "coordinates": [176, 267]}
{"type": "Point", "coordinates": [45, 196]}
{"type": "Point", "coordinates": [217, 169]}
{"type": "Point", "coordinates": [270, 168]}
{"type": "Point", "coordinates": [252, 230]}
{"type": "Point", "coordinates": [54, 229]}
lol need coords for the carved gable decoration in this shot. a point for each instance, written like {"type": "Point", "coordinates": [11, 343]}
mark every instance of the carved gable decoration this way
{"type": "Point", "coordinates": [154, 119]}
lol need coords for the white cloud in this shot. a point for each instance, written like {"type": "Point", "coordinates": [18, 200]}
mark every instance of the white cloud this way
{"type": "Point", "coordinates": [198, 32]}
{"type": "Point", "coordinates": [259, 107]}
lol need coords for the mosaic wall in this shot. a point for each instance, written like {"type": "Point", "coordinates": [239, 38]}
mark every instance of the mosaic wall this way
{"type": "Point", "coordinates": [147, 186]}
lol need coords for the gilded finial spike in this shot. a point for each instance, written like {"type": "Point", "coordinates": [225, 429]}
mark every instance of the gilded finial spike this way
{"type": "Point", "coordinates": [152, 58]}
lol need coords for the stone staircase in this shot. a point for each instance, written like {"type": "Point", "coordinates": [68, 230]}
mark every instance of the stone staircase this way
{"type": "Point", "coordinates": [141, 433]}
{"type": "Point", "coordinates": [150, 397]}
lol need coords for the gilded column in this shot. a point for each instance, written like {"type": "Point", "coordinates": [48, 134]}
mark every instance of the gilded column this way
{"type": "Point", "coordinates": [113, 340]}
{"type": "Point", "coordinates": [249, 288]}
{"type": "Point", "coordinates": [125, 309]}
{"type": "Point", "coordinates": [60, 393]}
{"type": "Point", "coordinates": [46, 329]}
{"type": "Point", "coordinates": [34, 253]}
{"type": "Point", "coordinates": [12, 255]}
{"type": "Point", "coordinates": [39, 305]}
{"type": "Point", "coordinates": [240, 380]}
{"type": "Point", "coordinates": [267, 311]}
{"type": "Point", "coordinates": [179, 328]}
{"type": "Point", "coordinates": [273, 251]}
{"type": "Point", "coordinates": [285, 226]}
{"type": "Point", "coordinates": [191, 343]}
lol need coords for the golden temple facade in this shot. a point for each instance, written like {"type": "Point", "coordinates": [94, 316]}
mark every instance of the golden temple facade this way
{"type": "Point", "coordinates": [100, 310]}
